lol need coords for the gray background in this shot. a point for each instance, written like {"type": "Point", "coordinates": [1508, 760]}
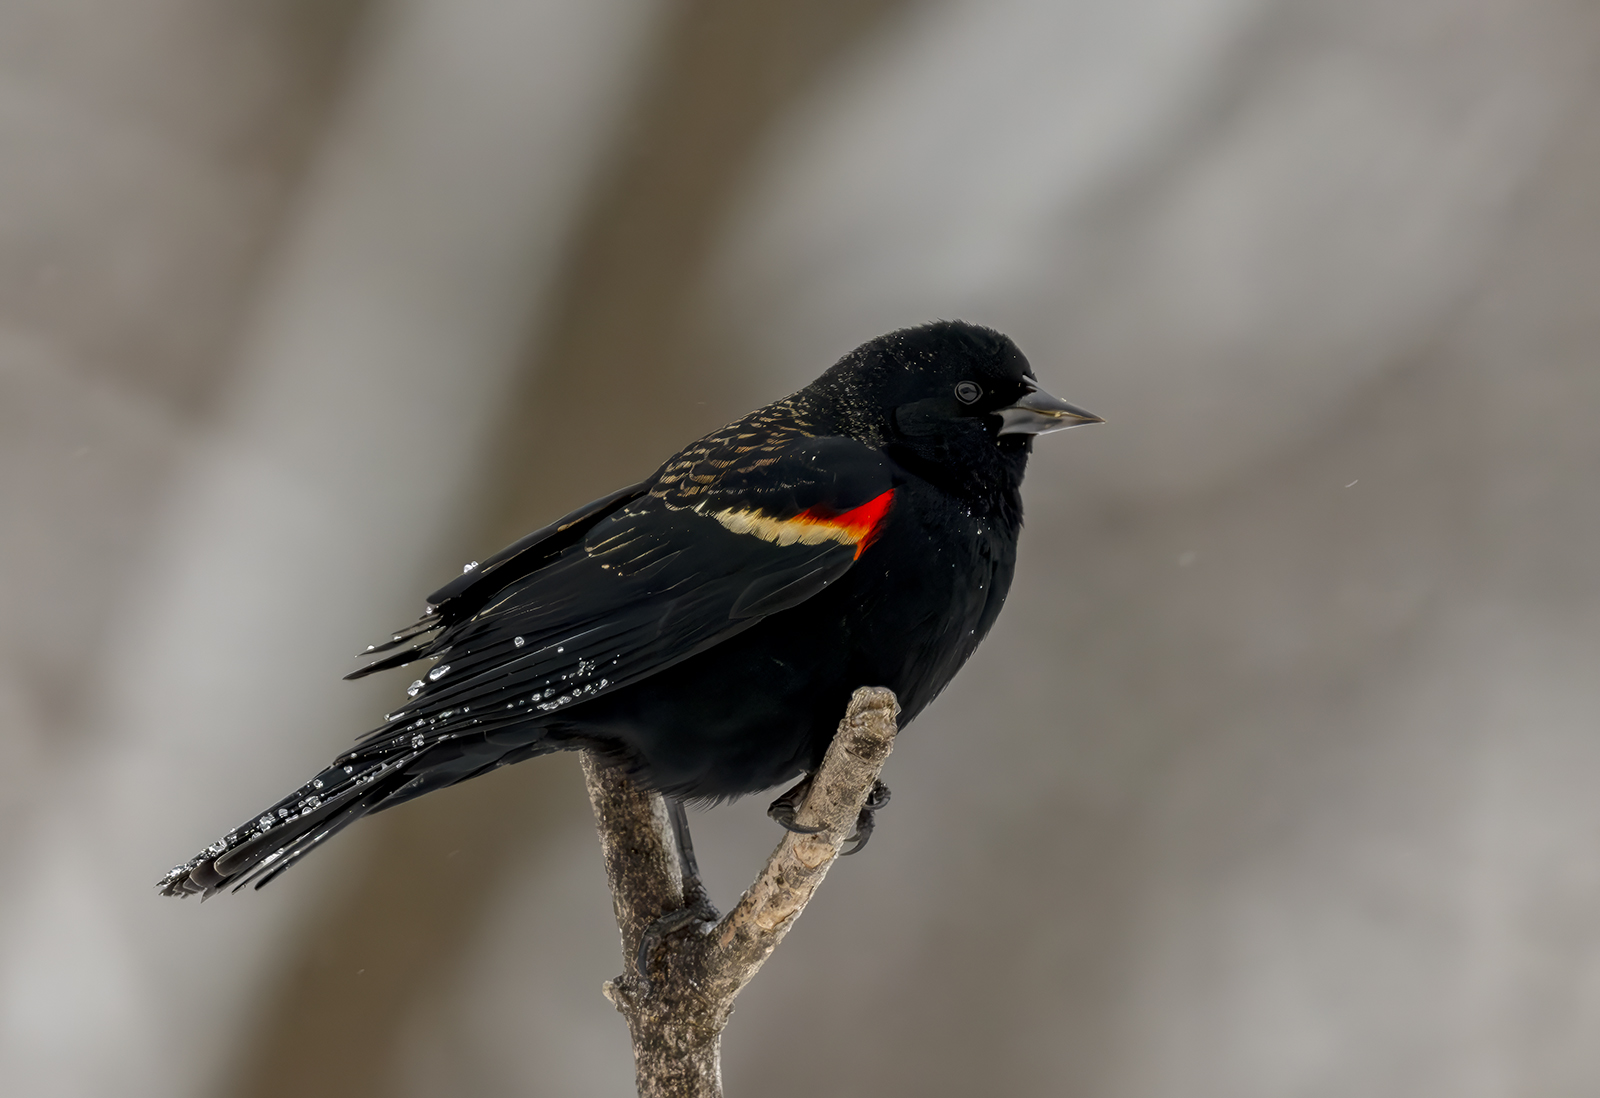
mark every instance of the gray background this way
{"type": "Point", "coordinates": [1277, 776]}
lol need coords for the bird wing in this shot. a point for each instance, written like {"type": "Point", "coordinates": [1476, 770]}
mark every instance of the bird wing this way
{"type": "Point", "coordinates": [716, 544]}
{"type": "Point", "coordinates": [465, 595]}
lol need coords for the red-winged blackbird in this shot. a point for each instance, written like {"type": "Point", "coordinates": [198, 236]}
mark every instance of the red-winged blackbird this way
{"type": "Point", "coordinates": [707, 626]}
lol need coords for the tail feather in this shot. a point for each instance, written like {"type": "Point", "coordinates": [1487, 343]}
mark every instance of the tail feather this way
{"type": "Point", "coordinates": [268, 868]}
{"type": "Point", "coordinates": [260, 849]}
{"type": "Point", "coordinates": [290, 829]}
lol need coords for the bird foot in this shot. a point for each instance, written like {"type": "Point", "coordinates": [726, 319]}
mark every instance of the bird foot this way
{"type": "Point", "coordinates": [784, 808]}
{"type": "Point", "coordinates": [699, 909]}
{"type": "Point", "coordinates": [866, 820]}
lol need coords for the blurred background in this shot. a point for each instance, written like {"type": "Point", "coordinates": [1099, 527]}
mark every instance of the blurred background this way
{"type": "Point", "coordinates": [1278, 775]}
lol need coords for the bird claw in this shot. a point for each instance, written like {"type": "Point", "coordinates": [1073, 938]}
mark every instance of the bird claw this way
{"type": "Point", "coordinates": [784, 808]}
{"type": "Point", "coordinates": [697, 910]}
{"type": "Point", "coordinates": [876, 799]}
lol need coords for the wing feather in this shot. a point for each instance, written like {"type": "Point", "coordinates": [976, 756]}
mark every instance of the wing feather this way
{"type": "Point", "coordinates": [657, 580]}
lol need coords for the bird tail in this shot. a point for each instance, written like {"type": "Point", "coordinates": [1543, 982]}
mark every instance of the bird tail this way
{"type": "Point", "coordinates": [377, 774]}
{"type": "Point", "coordinates": [261, 848]}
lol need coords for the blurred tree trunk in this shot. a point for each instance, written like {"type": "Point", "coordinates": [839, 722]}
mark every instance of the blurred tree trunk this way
{"type": "Point", "coordinates": [171, 152]}
{"type": "Point", "coordinates": [621, 379]}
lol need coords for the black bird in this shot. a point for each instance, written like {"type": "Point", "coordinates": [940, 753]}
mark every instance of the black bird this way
{"type": "Point", "coordinates": [706, 626]}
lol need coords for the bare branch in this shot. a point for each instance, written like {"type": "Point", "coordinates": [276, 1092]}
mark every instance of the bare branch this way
{"type": "Point", "coordinates": [677, 1014]}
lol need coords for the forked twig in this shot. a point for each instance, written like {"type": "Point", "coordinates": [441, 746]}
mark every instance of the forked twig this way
{"type": "Point", "coordinates": [677, 1014]}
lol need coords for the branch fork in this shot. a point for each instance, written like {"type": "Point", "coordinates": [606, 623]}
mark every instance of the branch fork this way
{"type": "Point", "coordinates": [676, 1012]}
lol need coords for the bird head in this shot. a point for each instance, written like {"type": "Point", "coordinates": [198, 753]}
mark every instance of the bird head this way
{"type": "Point", "coordinates": [956, 402]}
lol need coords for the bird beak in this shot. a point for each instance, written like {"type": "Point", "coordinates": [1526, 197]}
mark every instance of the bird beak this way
{"type": "Point", "coordinates": [1039, 413]}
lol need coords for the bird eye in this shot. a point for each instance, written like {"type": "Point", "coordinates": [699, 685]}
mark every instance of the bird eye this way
{"type": "Point", "coordinates": [968, 391]}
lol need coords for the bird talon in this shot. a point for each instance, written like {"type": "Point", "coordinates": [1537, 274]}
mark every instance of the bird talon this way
{"type": "Point", "coordinates": [860, 835]}
{"type": "Point", "coordinates": [783, 809]}
{"type": "Point", "coordinates": [877, 797]}
{"type": "Point", "coordinates": [699, 910]}
{"type": "Point", "coordinates": [866, 821]}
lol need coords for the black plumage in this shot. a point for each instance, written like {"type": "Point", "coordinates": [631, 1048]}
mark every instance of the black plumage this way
{"type": "Point", "coordinates": [706, 626]}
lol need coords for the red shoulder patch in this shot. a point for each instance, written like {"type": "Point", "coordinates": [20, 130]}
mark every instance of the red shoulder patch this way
{"type": "Point", "coordinates": [861, 525]}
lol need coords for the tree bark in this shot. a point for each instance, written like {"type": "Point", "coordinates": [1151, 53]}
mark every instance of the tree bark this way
{"type": "Point", "coordinates": [676, 1012]}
